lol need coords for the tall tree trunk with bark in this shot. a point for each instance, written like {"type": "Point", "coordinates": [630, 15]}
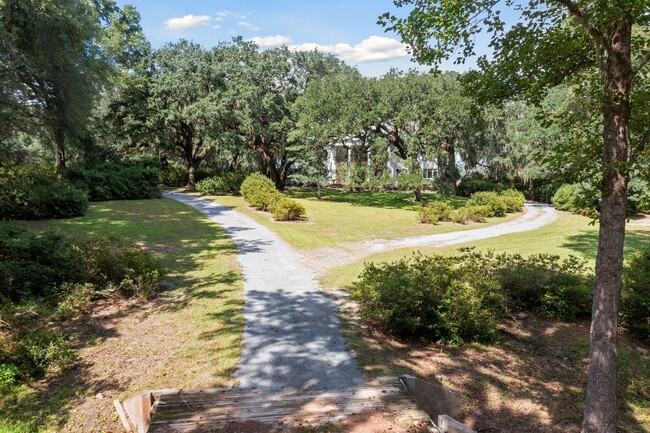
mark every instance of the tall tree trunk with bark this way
{"type": "Point", "coordinates": [601, 407]}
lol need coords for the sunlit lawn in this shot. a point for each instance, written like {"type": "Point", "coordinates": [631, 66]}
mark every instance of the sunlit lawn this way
{"type": "Point", "coordinates": [188, 336]}
{"type": "Point", "coordinates": [568, 235]}
{"type": "Point", "coordinates": [341, 217]}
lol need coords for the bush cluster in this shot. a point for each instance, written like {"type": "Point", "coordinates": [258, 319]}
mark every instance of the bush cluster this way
{"type": "Point", "coordinates": [481, 205]}
{"type": "Point", "coordinates": [42, 265]}
{"type": "Point", "coordinates": [462, 298]}
{"type": "Point", "coordinates": [498, 203]}
{"type": "Point", "coordinates": [576, 198]}
{"type": "Point", "coordinates": [37, 193]}
{"type": "Point", "coordinates": [223, 184]}
{"type": "Point", "coordinates": [110, 181]}
{"type": "Point", "coordinates": [259, 191]}
{"type": "Point", "coordinates": [635, 297]}
{"type": "Point", "coordinates": [49, 276]}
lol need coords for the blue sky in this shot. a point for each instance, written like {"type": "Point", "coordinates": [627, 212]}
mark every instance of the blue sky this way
{"type": "Point", "coordinates": [347, 28]}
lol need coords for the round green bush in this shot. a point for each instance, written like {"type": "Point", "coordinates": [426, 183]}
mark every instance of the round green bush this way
{"type": "Point", "coordinates": [434, 212]}
{"type": "Point", "coordinates": [37, 193]}
{"type": "Point", "coordinates": [223, 184]}
{"type": "Point", "coordinates": [286, 209]}
{"type": "Point", "coordinates": [497, 205]}
{"type": "Point", "coordinates": [565, 197]}
{"type": "Point", "coordinates": [259, 191]}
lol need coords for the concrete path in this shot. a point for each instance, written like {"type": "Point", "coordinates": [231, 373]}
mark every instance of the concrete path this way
{"type": "Point", "coordinates": [323, 259]}
{"type": "Point", "coordinates": [291, 336]}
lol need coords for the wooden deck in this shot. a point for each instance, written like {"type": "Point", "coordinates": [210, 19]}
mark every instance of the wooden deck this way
{"type": "Point", "coordinates": [209, 410]}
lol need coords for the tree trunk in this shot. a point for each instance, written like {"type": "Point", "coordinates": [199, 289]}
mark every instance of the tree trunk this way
{"type": "Point", "coordinates": [191, 177]}
{"type": "Point", "coordinates": [600, 407]}
{"type": "Point", "coordinates": [417, 195]}
{"type": "Point", "coordinates": [59, 139]}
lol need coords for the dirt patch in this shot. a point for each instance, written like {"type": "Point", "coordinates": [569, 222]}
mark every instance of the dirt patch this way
{"type": "Point", "coordinates": [533, 380]}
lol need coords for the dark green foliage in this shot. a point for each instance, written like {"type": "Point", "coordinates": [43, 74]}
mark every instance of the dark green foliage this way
{"type": "Point", "coordinates": [477, 183]}
{"type": "Point", "coordinates": [259, 191]}
{"type": "Point", "coordinates": [499, 203]}
{"type": "Point", "coordinates": [463, 298]}
{"type": "Point", "coordinates": [435, 211]}
{"type": "Point", "coordinates": [39, 265]}
{"type": "Point", "coordinates": [286, 209]}
{"type": "Point", "coordinates": [37, 193]}
{"type": "Point", "coordinates": [440, 298]}
{"type": "Point", "coordinates": [225, 183]}
{"type": "Point", "coordinates": [635, 297]}
{"type": "Point", "coordinates": [125, 181]}
{"type": "Point", "coordinates": [546, 285]}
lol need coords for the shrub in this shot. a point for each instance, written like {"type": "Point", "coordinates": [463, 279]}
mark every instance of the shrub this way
{"type": "Point", "coordinates": [438, 297]}
{"type": "Point", "coordinates": [462, 298]}
{"type": "Point", "coordinates": [434, 212]}
{"type": "Point", "coordinates": [564, 198]}
{"type": "Point", "coordinates": [109, 181]}
{"type": "Point", "coordinates": [226, 183]}
{"type": "Point", "coordinates": [468, 214]}
{"type": "Point", "coordinates": [37, 193]}
{"type": "Point", "coordinates": [546, 285]}
{"type": "Point", "coordinates": [496, 204]}
{"type": "Point", "coordinates": [635, 297]}
{"type": "Point", "coordinates": [286, 209]}
{"type": "Point", "coordinates": [40, 265]}
{"type": "Point", "coordinates": [477, 183]}
{"type": "Point", "coordinates": [259, 191]}
{"type": "Point", "coordinates": [513, 199]}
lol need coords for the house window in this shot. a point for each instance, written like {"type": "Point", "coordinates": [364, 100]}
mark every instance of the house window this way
{"type": "Point", "coordinates": [427, 173]}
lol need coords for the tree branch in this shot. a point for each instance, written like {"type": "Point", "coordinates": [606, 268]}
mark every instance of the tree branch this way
{"type": "Point", "coordinates": [595, 33]}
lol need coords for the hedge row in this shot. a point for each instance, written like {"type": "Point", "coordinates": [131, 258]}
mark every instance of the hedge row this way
{"type": "Point", "coordinates": [37, 193]}
{"type": "Point", "coordinates": [123, 181]}
{"type": "Point", "coordinates": [223, 184]}
{"type": "Point", "coordinates": [481, 205]}
{"type": "Point", "coordinates": [462, 298]}
{"type": "Point", "coordinates": [259, 191]}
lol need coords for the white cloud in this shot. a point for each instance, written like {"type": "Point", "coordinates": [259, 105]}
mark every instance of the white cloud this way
{"type": "Point", "coordinates": [187, 22]}
{"type": "Point", "coordinates": [249, 26]}
{"type": "Point", "coordinates": [372, 49]}
{"type": "Point", "coordinates": [271, 41]}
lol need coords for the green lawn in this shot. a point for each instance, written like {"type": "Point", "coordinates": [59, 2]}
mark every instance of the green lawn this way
{"type": "Point", "coordinates": [188, 336]}
{"type": "Point", "coordinates": [341, 217]}
{"type": "Point", "coordinates": [569, 235]}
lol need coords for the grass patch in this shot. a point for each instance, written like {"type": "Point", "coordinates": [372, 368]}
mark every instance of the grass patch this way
{"type": "Point", "coordinates": [187, 336]}
{"type": "Point", "coordinates": [341, 217]}
{"type": "Point", "coordinates": [570, 234]}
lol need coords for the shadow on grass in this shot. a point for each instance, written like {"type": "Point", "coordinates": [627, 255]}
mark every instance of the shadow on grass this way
{"type": "Point", "coordinates": [585, 244]}
{"type": "Point", "coordinates": [533, 380]}
{"type": "Point", "coordinates": [186, 242]}
{"type": "Point", "coordinates": [379, 199]}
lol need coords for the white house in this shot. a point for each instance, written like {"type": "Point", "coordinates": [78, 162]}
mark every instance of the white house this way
{"type": "Point", "coordinates": [341, 152]}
